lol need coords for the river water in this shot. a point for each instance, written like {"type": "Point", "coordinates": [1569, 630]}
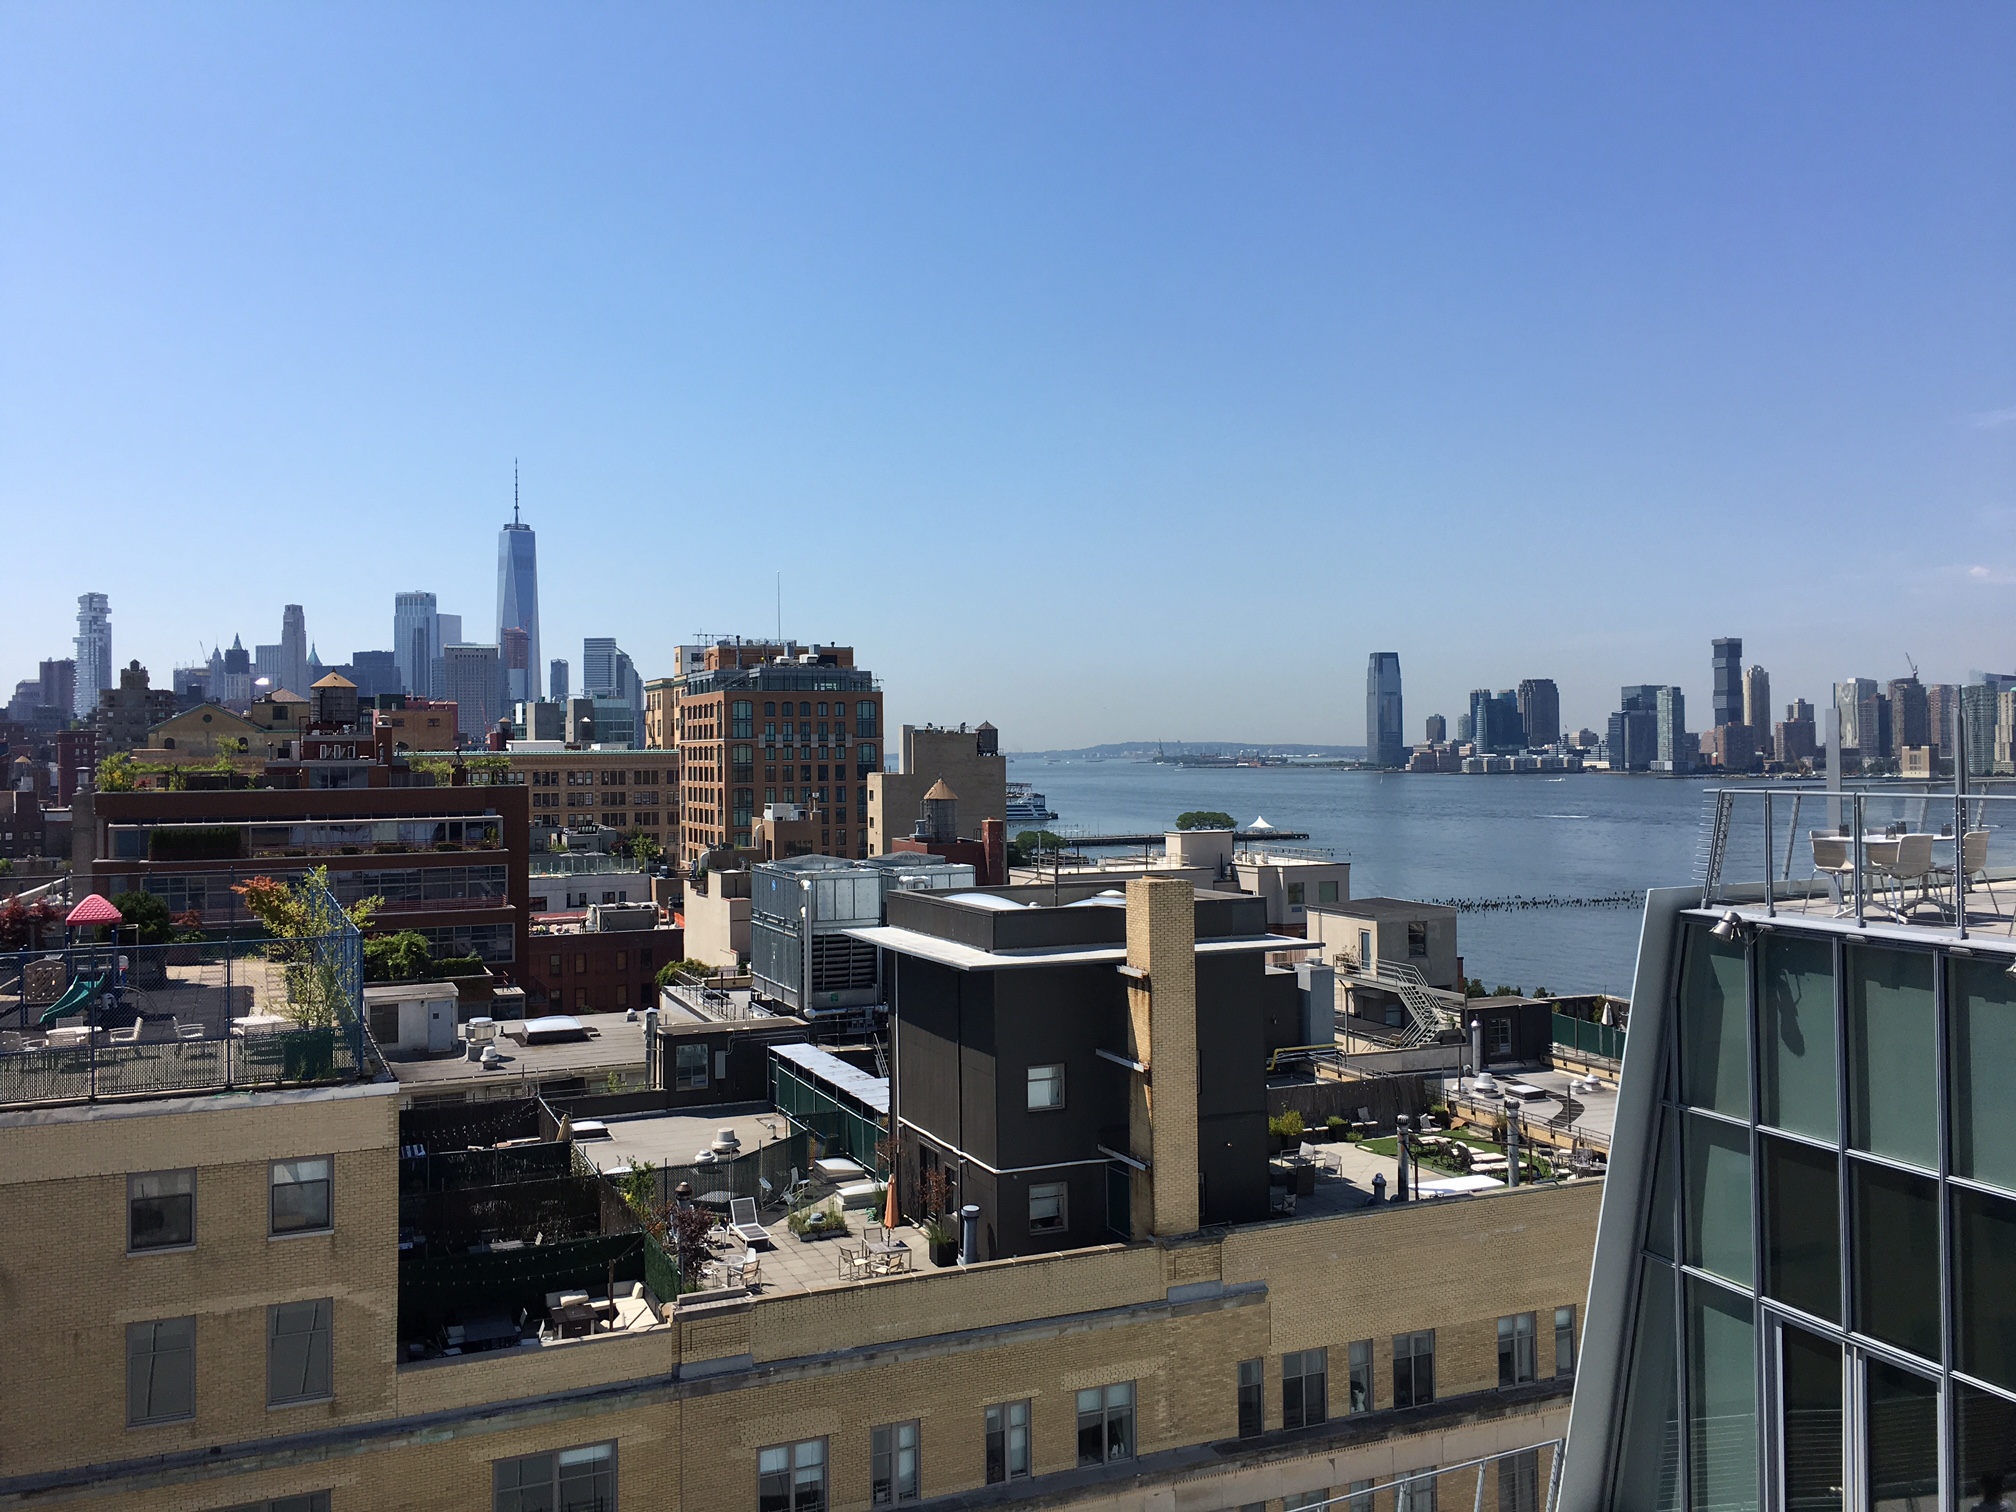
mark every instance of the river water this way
{"type": "Point", "coordinates": [1411, 835]}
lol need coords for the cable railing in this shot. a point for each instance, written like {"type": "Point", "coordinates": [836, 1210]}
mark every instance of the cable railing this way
{"type": "Point", "coordinates": [1516, 1477]}
{"type": "Point", "coordinates": [1938, 859]}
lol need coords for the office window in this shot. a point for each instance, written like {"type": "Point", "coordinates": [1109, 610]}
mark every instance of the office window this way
{"type": "Point", "coordinates": [1714, 1025]}
{"type": "Point", "coordinates": [301, 1195]}
{"type": "Point", "coordinates": [893, 1465]}
{"type": "Point", "coordinates": [1046, 1087]}
{"type": "Point", "coordinates": [1414, 1369]}
{"type": "Point", "coordinates": [161, 1210]}
{"type": "Point", "coordinates": [574, 1480]}
{"type": "Point", "coordinates": [1893, 1104]}
{"type": "Point", "coordinates": [1106, 1423]}
{"type": "Point", "coordinates": [297, 1351]}
{"type": "Point", "coordinates": [312, 1501]}
{"type": "Point", "coordinates": [1252, 1387]}
{"type": "Point", "coordinates": [689, 1068]}
{"type": "Point", "coordinates": [1361, 1376]}
{"type": "Point", "coordinates": [1515, 1350]}
{"type": "Point", "coordinates": [160, 1371]}
{"type": "Point", "coordinates": [1326, 892]}
{"type": "Point", "coordinates": [1519, 1482]}
{"type": "Point", "coordinates": [1360, 1493]}
{"type": "Point", "coordinates": [1306, 1501]}
{"type": "Point", "coordinates": [1007, 1441]}
{"type": "Point", "coordinates": [1047, 1211]}
{"type": "Point", "coordinates": [1305, 1387]}
{"type": "Point", "coordinates": [1294, 894]}
{"type": "Point", "coordinates": [1417, 1495]}
{"type": "Point", "coordinates": [1564, 1341]}
{"type": "Point", "coordinates": [792, 1477]}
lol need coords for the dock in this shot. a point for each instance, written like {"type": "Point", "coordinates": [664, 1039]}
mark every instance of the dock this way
{"type": "Point", "coordinates": [1115, 842]}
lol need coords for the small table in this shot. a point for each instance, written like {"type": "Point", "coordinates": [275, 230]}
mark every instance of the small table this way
{"type": "Point", "coordinates": [256, 1023]}
{"type": "Point", "coordinates": [889, 1258]}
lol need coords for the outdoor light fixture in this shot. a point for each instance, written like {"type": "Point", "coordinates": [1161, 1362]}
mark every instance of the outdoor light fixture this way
{"type": "Point", "coordinates": [1725, 927]}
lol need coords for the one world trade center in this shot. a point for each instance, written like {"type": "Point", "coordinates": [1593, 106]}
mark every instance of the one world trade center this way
{"type": "Point", "coordinates": [518, 606]}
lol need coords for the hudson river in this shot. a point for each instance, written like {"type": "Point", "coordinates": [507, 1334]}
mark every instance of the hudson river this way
{"type": "Point", "coordinates": [1581, 835]}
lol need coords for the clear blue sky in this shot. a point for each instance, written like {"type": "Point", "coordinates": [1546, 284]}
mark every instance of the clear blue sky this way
{"type": "Point", "coordinates": [1109, 371]}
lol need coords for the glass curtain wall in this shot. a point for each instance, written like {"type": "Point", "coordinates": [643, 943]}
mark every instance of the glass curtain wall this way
{"type": "Point", "coordinates": [1825, 1308]}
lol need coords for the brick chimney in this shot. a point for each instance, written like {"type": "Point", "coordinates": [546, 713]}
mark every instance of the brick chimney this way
{"type": "Point", "coordinates": [994, 843]}
{"type": "Point", "coordinates": [1162, 1023]}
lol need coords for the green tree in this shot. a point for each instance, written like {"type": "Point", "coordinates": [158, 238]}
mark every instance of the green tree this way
{"type": "Point", "coordinates": [401, 957]}
{"type": "Point", "coordinates": [643, 848]}
{"type": "Point", "coordinates": [1027, 846]}
{"type": "Point", "coordinates": [1206, 819]}
{"type": "Point", "coordinates": [115, 773]}
{"type": "Point", "coordinates": [145, 915]}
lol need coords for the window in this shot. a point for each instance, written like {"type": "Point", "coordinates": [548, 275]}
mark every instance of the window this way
{"type": "Point", "coordinates": [161, 1210]}
{"type": "Point", "coordinates": [741, 719]}
{"type": "Point", "coordinates": [1564, 1341]}
{"type": "Point", "coordinates": [792, 1477]}
{"type": "Point", "coordinates": [864, 718]}
{"type": "Point", "coordinates": [1417, 1495]}
{"type": "Point", "coordinates": [1326, 892]}
{"type": "Point", "coordinates": [1515, 1350]}
{"type": "Point", "coordinates": [1414, 1369]}
{"type": "Point", "coordinates": [1307, 1501]}
{"type": "Point", "coordinates": [1361, 1376]}
{"type": "Point", "coordinates": [1364, 947]}
{"type": "Point", "coordinates": [1252, 1387]}
{"type": "Point", "coordinates": [160, 1371]}
{"type": "Point", "coordinates": [1106, 1423]}
{"type": "Point", "coordinates": [297, 1351]}
{"type": "Point", "coordinates": [313, 1501]}
{"type": "Point", "coordinates": [1046, 1087]}
{"type": "Point", "coordinates": [1294, 894]}
{"type": "Point", "coordinates": [574, 1480]}
{"type": "Point", "coordinates": [1305, 1387]}
{"type": "Point", "coordinates": [1519, 1482]}
{"type": "Point", "coordinates": [689, 1073]}
{"type": "Point", "coordinates": [1360, 1492]}
{"type": "Point", "coordinates": [893, 1472]}
{"type": "Point", "coordinates": [1047, 1211]}
{"type": "Point", "coordinates": [1417, 942]}
{"type": "Point", "coordinates": [1498, 1034]}
{"type": "Point", "coordinates": [301, 1195]}
{"type": "Point", "coordinates": [1007, 1442]}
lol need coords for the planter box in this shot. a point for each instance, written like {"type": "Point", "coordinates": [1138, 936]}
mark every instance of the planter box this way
{"type": "Point", "coordinates": [946, 1253]}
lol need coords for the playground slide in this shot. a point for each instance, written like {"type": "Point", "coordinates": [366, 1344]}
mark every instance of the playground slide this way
{"type": "Point", "coordinates": [81, 991]}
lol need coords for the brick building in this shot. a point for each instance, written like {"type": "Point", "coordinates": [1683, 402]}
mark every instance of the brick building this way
{"type": "Point", "coordinates": [617, 790]}
{"type": "Point", "coordinates": [604, 960]}
{"type": "Point", "coordinates": [767, 723]}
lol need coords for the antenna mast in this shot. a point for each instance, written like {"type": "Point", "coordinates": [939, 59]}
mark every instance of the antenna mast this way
{"type": "Point", "coordinates": [514, 490]}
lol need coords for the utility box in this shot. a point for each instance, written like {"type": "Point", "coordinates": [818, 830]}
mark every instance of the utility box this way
{"type": "Point", "coordinates": [421, 1015]}
{"type": "Point", "coordinates": [1316, 984]}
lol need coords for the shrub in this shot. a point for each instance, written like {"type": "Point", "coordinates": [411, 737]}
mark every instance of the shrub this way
{"type": "Point", "coordinates": [833, 1222]}
{"type": "Point", "coordinates": [1287, 1125]}
{"type": "Point", "coordinates": [146, 915]}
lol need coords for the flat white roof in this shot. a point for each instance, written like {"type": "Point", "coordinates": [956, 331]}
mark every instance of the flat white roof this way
{"type": "Point", "coordinates": [972, 958]}
{"type": "Point", "coordinates": [835, 1072]}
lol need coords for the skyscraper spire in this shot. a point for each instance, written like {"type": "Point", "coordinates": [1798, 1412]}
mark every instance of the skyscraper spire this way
{"type": "Point", "coordinates": [514, 490]}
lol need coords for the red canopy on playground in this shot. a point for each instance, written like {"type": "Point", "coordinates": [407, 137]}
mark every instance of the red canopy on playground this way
{"type": "Point", "coordinates": [93, 910]}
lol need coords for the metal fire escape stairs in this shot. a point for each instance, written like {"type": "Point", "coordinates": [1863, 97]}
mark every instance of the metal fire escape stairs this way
{"type": "Point", "coordinates": [1430, 1010]}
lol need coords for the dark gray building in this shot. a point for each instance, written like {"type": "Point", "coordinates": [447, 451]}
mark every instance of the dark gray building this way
{"type": "Point", "coordinates": [1728, 699]}
{"type": "Point", "coordinates": [1385, 737]}
{"type": "Point", "coordinates": [1540, 711]}
{"type": "Point", "coordinates": [1495, 724]}
{"type": "Point", "coordinates": [1021, 1032]}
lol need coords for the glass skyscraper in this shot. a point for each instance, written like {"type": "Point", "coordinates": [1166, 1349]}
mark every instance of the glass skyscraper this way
{"type": "Point", "coordinates": [518, 604]}
{"type": "Point", "coordinates": [1385, 739]}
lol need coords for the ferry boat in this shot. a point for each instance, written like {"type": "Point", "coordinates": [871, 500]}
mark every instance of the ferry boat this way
{"type": "Point", "coordinates": [1026, 806]}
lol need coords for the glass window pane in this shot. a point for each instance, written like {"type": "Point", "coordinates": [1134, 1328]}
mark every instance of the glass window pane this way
{"type": "Point", "coordinates": [1982, 1037]}
{"type": "Point", "coordinates": [1722, 1399]}
{"type": "Point", "coordinates": [1903, 1437]}
{"type": "Point", "coordinates": [1648, 1455]}
{"type": "Point", "coordinates": [1802, 1226]}
{"type": "Point", "coordinates": [1718, 1198]}
{"type": "Point", "coordinates": [1984, 1285]}
{"type": "Point", "coordinates": [1984, 1428]}
{"type": "Point", "coordinates": [1896, 1256]}
{"type": "Point", "coordinates": [1714, 1018]}
{"type": "Point", "coordinates": [1810, 1429]}
{"type": "Point", "coordinates": [1795, 1034]}
{"type": "Point", "coordinates": [1660, 1238]}
{"type": "Point", "coordinates": [1893, 1060]}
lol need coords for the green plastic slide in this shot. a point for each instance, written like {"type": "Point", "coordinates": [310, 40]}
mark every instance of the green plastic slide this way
{"type": "Point", "coordinates": [82, 990]}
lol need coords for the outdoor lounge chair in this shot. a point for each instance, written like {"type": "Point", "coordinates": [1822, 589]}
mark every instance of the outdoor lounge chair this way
{"type": "Point", "coordinates": [742, 1221]}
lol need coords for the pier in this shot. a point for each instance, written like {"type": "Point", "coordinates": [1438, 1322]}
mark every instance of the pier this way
{"type": "Point", "coordinates": [1117, 842]}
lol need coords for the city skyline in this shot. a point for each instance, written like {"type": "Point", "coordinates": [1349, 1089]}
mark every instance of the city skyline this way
{"type": "Point", "coordinates": [1071, 288]}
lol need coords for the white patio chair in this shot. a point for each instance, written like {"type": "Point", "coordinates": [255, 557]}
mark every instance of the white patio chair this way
{"type": "Point", "coordinates": [1897, 863]}
{"type": "Point", "coordinates": [1834, 859]}
{"type": "Point", "coordinates": [1973, 849]}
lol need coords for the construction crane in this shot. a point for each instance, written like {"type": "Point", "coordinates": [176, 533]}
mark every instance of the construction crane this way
{"type": "Point", "coordinates": [1911, 664]}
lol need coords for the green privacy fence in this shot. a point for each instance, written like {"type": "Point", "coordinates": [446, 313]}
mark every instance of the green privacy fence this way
{"type": "Point", "coordinates": [1590, 1039]}
{"type": "Point", "coordinates": [842, 1127]}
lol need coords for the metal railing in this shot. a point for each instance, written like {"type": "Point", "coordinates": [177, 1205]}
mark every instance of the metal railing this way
{"type": "Point", "coordinates": [1519, 1485]}
{"type": "Point", "coordinates": [1429, 1010]}
{"type": "Point", "coordinates": [1848, 862]}
{"type": "Point", "coordinates": [83, 1022]}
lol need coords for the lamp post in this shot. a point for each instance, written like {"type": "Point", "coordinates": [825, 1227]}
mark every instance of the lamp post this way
{"type": "Point", "coordinates": [1403, 1186]}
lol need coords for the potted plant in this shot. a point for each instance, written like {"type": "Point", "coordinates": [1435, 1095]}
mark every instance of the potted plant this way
{"type": "Point", "coordinates": [942, 1235]}
{"type": "Point", "coordinates": [1286, 1129]}
{"type": "Point", "coordinates": [1338, 1130]}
